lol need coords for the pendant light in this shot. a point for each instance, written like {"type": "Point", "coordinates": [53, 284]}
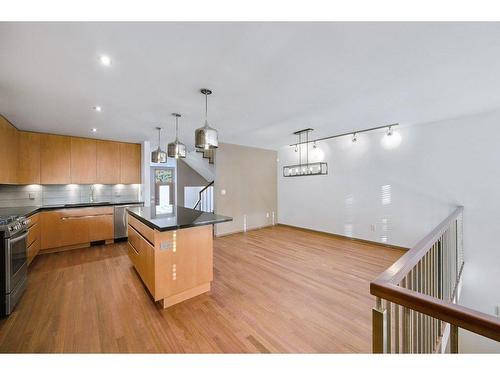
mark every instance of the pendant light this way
{"type": "Point", "coordinates": [176, 149]}
{"type": "Point", "coordinates": [158, 155]}
{"type": "Point", "coordinates": [206, 136]}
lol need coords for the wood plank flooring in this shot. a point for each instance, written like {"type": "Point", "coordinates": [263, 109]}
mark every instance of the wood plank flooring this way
{"type": "Point", "coordinates": [275, 289]}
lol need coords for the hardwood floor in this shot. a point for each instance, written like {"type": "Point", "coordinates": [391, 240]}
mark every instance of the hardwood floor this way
{"type": "Point", "coordinates": [275, 290]}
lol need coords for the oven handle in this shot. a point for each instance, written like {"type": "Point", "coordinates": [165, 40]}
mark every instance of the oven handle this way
{"type": "Point", "coordinates": [16, 239]}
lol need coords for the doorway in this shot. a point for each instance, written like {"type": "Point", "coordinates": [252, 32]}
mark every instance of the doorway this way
{"type": "Point", "coordinates": [163, 189]}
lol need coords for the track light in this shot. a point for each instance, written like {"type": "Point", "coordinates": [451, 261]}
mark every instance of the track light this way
{"type": "Point", "coordinates": [296, 148]}
{"type": "Point", "coordinates": [315, 145]}
{"type": "Point", "coordinates": [354, 137]}
{"type": "Point", "coordinates": [389, 131]}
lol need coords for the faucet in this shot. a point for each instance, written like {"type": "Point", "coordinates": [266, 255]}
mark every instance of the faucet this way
{"type": "Point", "coordinates": [91, 195]}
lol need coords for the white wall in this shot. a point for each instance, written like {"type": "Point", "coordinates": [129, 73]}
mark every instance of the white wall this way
{"type": "Point", "coordinates": [405, 191]}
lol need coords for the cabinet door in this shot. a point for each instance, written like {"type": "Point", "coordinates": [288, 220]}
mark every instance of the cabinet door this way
{"type": "Point", "coordinates": [55, 159]}
{"type": "Point", "coordinates": [83, 160]}
{"type": "Point", "coordinates": [101, 227]}
{"type": "Point", "coordinates": [108, 162]}
{"type": "Point", "coordinates": [28, 156]}
{"type": "Point", "coordinates": [50, 229]}
{"type": "Point", "coordinates": [130, 163]}
{"type": "Point", "coordinates": [8, 152]}
{"type": "Point", "coordinates": [74, 230]}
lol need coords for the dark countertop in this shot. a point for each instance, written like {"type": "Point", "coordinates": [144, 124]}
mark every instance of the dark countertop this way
{"type": "Point", "coordinates": [181, 217]}
{"type": "Point", "coordinates": [30, 210]}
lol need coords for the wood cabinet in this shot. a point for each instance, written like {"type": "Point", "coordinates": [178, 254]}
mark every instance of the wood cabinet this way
{"type": "Point", "coordinates": [28, 156]}
{"type": "Point", "coordinates": [33, 241]}
{"type": "Point", "coordinates": [101, 227]}
{"type": "Point", "coordinates": [108, 162]}
{"type": "Point", "coordinates": [75, 227]}
{"type": "Point", "coordinates": [83, 160]}
{"type": "Point", "coordinates": [38, 158]}
{"type": "Point", "coordinates": [174, 265]}
{"type": "Point", "coordinates": [8, 152]}
{"type": "Point", "coordinates": [50, 229]}
{"type": "Point", "coordinates": [55, 159]}
{"type": "Point", "coordinates": [130, 163]}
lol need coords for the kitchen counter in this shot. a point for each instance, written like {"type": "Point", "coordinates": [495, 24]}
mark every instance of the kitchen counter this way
{"type": "Point", "coordinates": [176, 217]}
{"type": "Point", "coordinates": [31, 210]}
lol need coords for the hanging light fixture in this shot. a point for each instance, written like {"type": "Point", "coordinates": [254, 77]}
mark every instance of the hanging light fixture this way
{"type": "Point", "coordinates": [158, 155]}
{"type": "Point", "coordinates": [206, 136]}
{"type": "Point", "coordinates": [176, 149]}
{"type": "Point", "coordinates": [304, 168]}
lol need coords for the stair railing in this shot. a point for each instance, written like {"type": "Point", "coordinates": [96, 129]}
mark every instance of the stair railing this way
{"type": "Point", "coordinates": [416, 307]}
{"type": "Point", "coordinates": [205, 199]}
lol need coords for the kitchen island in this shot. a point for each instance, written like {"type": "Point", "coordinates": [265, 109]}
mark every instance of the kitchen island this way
{"type": "Point", "coordinates": [172, 251]}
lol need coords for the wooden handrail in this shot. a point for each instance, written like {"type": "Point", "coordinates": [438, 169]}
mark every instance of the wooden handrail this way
{"type": "Point", "coordinates": [469, 319]}
{"type": "Point", "coordinates": [386, 287]}
{"type": "Point", "coordinates": [395, 273]}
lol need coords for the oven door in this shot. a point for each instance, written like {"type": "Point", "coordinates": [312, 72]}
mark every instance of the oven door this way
{"type": "Point", "coordinates": [16, 265]}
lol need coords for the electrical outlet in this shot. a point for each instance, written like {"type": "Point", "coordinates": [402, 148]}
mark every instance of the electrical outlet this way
{"type": "Point", "coordinates": [31, 196]}
{"type": "Point", "coordinates": [267, 215]}
{"type": "Point", "coordinates": [372, 227]}
{"type": "Point", "coordinates": [497, 310]}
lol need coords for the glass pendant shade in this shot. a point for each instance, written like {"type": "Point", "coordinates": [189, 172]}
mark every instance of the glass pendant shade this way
{"type": "Point", "coordinates": [206, 137]}
{"type": "Point", "coordinates": [176, 149]}
{"type": "Point", "coordinates": [158, 155]}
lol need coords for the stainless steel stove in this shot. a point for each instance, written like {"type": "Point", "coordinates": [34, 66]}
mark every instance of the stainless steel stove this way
{"type": "Point", "coordinates": [13, 261]}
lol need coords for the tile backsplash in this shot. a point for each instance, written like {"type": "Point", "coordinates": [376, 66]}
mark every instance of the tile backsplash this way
{"type": "Point", "coordinates": [37, 195]}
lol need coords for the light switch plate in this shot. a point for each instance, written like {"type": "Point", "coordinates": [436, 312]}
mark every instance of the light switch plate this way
{"type": "Point", "coordinates": [31, 196]}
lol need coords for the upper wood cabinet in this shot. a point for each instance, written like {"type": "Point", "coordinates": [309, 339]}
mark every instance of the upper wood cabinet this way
{"type": "Point", "coordinates": [28, 158]}
{"type": "Point", "coordinates": [55, 159]}
{"type": "Point", "coordinates": [38, 158]}
{"type": "Point", "coordinates": [130, 163]}
{"type": "Point", "coordinates": [83, 160]}
{"type": "Point", "coordinates": [8, 152]}
{"type": "Point", "coordinates": [108, 162]}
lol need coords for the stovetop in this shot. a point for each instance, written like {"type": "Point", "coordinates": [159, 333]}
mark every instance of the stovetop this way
{"type": "Point", "coordinates": [4, 220]}
{"type": "Point", "coordinates": [12, 224]}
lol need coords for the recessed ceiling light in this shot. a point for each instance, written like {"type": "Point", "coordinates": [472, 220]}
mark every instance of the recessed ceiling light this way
{"type": "Point", "coordinates": [93, 130]}
{"type": "Point", "coordinates": [105, 60]}
{"type": "Point", "coordinates": [97, 108]}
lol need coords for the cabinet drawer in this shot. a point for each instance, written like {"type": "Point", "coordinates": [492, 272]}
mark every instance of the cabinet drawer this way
{"type": "Point", "coordinates": [143, 229]}
{"type": "Point", "coordinates": [33, 219]}
{"type": "Point", "coordinates": [33, 250]}
{"type": "Point", "coordinates": [33, 233]}
{"type": "Point", "coordinates": [141, 254]}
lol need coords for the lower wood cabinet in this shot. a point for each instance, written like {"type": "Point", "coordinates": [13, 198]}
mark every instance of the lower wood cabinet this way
{"type": "Point", "coordinates": [33, 241]}
{"type": "Point", "coordinates": [174, 265]}
{"type": "Point", "coordinates": [75, 227]}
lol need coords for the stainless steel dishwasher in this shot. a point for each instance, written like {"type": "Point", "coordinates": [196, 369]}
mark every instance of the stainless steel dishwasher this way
{"type": "Point", "coordinates": [120, 219]}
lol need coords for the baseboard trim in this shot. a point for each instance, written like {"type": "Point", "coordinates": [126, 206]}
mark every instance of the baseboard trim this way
{"type": "Point", "coordinates": [345, 237]}
{"type": "Point", "coordinates": [242, 231]}
{"type": "Point", "coordinates": [72, 247]}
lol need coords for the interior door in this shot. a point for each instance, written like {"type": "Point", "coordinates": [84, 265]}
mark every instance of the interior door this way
{"type": "Point", "coordinates": [163, 189]}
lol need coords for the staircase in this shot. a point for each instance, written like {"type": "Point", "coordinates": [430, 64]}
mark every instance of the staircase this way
{"type": "Point", "coordinates": [206, 199]}
{"type": "Point", "coordinates": [208, 154]}
{"type": "Point", "coordinates": [203, 162]}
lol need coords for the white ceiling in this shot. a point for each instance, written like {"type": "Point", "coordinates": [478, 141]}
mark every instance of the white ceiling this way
{"type": "Point", "coordinates": [269, 79]}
